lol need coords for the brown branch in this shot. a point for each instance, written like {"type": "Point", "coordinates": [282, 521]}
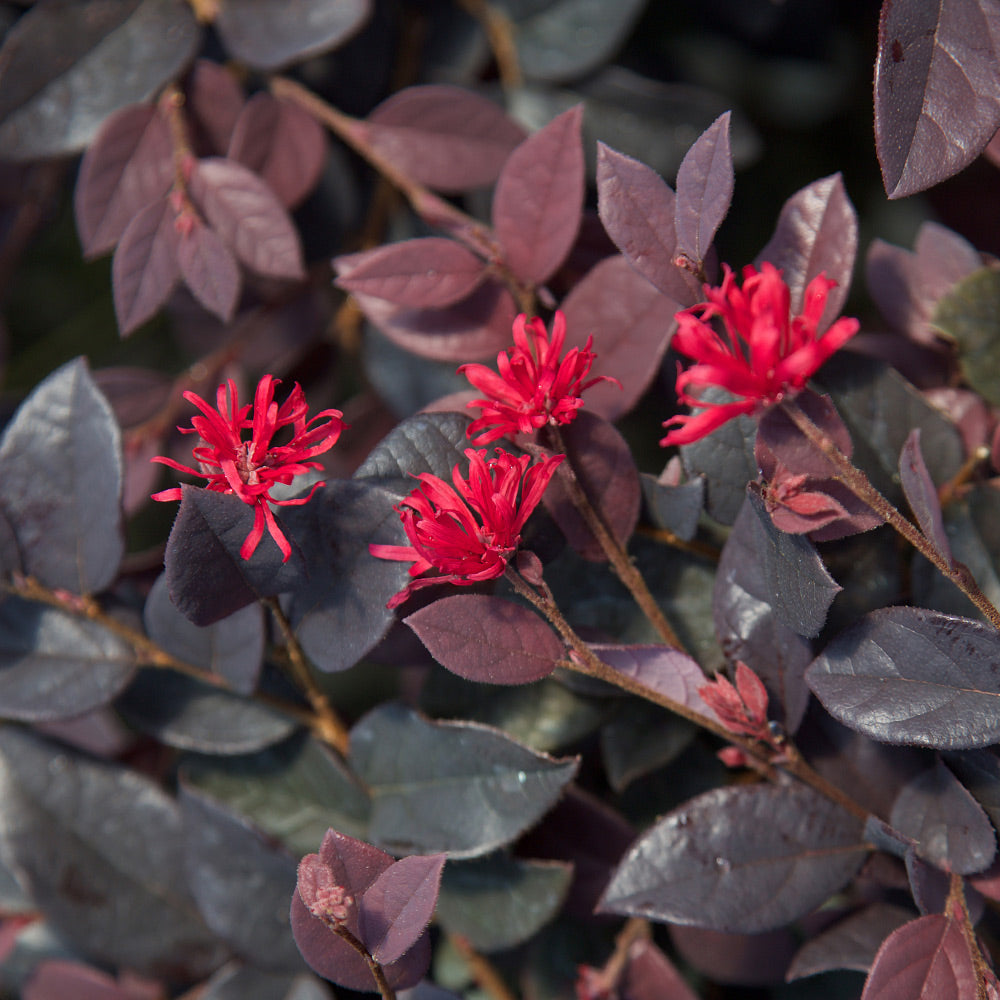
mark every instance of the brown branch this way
{"type": "Point", "coordinates": [485, 974]}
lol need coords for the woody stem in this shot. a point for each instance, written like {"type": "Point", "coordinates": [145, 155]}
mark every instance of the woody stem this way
{"type": "Point", "coordinates": [860, 485]}
{"type": "Point", "coordinates": [584, 661]}
{"type": "Point", "coordinates": [617, 556]}
{"type": "Point", "coordinates": [378, 974]}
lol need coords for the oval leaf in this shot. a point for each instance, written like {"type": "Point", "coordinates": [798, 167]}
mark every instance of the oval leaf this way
{"type": "Point", "coordinates": [209, 270]}
{"type": "Point", "coordinates": [487, 639]}
{"type": "Point", "coordinates": [937, 89]}
{"type": "Point", "coordinates": [56, 666]}
{"type": "Point", "coordinates": [741, 859]}
{"type": "Point", "coordinates": [913, 676]}
{"type": "Point", "coordinates": [452, 787]}
{"type": "Point", "coordinates": [922, 495]}
{"type": "Point", "coordinates": [538, 201]}
{"type": "Point", "coordinates": [62, 482]}
{"type": "Point", "coordinates": [424, 273]}
{"type": "Point", "coordinates": [248, 217]}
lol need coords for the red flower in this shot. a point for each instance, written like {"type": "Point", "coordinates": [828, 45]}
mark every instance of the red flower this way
{"type": "Point", "coordinates": [468, 533]}
{"type": "Point", "coordinates": [250, 468]}
{"type": "Point", "coordinates": [534, 387]}
{"type": "Point", "coordinates": [767, 355]}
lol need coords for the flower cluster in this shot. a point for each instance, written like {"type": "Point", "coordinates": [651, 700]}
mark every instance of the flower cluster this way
{"type": "Point", "coordinates": [319, 890]}
{"type": "Point", "coordinates": [766, 355]}
{"type": "Point", "coordinates": [468, 532]}
{"type": "Point", "coordinates": [250, 468]}
{"type": "Point", "coordinates": [534, 386]}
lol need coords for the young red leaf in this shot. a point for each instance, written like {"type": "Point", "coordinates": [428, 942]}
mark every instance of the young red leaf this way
{"type": "Point", "coordinates": [128, 166]}
{"type": "Point", "coordinates": [704, 190]}
{"type": "Point", "coordinates": [144, 269]}
{"type": "Point", "coordinates": [248, 217]}
{"type": "Point", "coordinates": [636, 207]}
{"type": "Point", "coordinates": [925, 959]}
{"type": "Point", "coordinates": [445, 137]}
{"type": "Point", "coordinates": [817, 231]}
{"type": "Point", "coordinates": [397, 907]}
{"type": "Point", "coordinates": [538, 201]}
{"type": "Point", "coordinates": [487, 639]}
{"type": "Point", "coordinates": [209, 270]}
{"type": "Point", "coordinates": [937, 89]}
{"type": "Point", "coordinates": [625, 314]}
{"type": "Point", "coordinates": [282, 143]}
{"type": "Point", "coordinates": [922, 495]}
{"type": "Point", "coordinates": [426, 273]}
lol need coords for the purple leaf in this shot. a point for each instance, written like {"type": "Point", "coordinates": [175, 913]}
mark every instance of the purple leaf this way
{"type": "Point", "coordinates": [637, 207]}
{"type": "Point", "coordinates": [704, 190]}
{"type": "Point", "coordinates": [913, 676]}
{"type": "Point", "coordinates": [922, 495]}
{"type": "Point", "coordinates": [56, 979]}
{"type": "Point", "coordinates": [650, 975]}
{"type": "Point", "coordinates": [209, 270]}
{"type": "Point", "coordinates": [129, 165]}
{"type": "Point", "coordinates": [56, 666]}
{"type": "Point", "coordinates": [538, 200]}
{"type": "Point", "coordinates": [626, 316]}
{"type": "Point", "coordinates": [668, 671]}
{"type": "Point", "coordinates": [281, 143]}
{"type": "Point", "coordinates": [398, 905]}
{"type": "Point", "coordinates": [354, 866]}
{"type": "Point", "coordinates": [937, 89]}
{"type": "Point", "coordinates": [487, 639]}
{"type": "Point", "coordinates": [745, 960]}
{"type": "Point", "coordinates": [817, 231]}
{"type": "Point", "coordinates": [62, 481]}
{"type": "Point", "coordinates": [603, 465]}
{"type": "Point", "coordinates": [851, 943]}
{"type": "Point", "coordinates": [144, 268]}
{"type": "Point", "coordinates": [949, 826]}
{"type": "Point", "coordinates": [248, 217]}
{"type": "Point", "coordinates": [477, 327]}
{"type": "Point", "coordinates": [925, 959]}
{"type": "Point", "coordinates": [213, 100]}
{"type": "Point", "coordinates": [445, 137]}
{"type": "Point", "coordinates": [426, 273]}
{"type": "Point", "coordinates": [269, 34]}
{"type": "Point", "coordinates": [743, 859]}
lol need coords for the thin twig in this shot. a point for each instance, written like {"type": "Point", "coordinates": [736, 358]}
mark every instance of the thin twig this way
{"type": "Point", "coordinates": [378, 974]}
{"type": "Point", "coordinates": [499, 33]}
{"type": "Point", "coordinates": [485, 974]}
{"type": "Point", "coordinates": [859, 484]}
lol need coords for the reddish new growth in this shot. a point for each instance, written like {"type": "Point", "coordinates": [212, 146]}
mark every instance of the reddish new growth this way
{"type": "Point", "coordinates": [767, 353]}
{"type": "Point", "coordinates": [534, 387]}
{"type": "Point", "coordinates": [741, 709]}
{"type": "Point", "coordinates": [250, 468]}
{"type": "Point", "coordinates": [468, 533]}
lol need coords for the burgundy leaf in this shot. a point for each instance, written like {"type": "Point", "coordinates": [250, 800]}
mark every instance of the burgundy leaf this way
{"type": "Point", "coordinates": [667, 671]}
{"type": "Point", "coordinates": [780, 440]}
{"type": "Point", "coordinates": [745, 960]}
{"type": "Point", "coordinates": [213, 101]}
{"type": "Point", "coordinates": [144, 269]}
{"type": "Point", "coordinates": [913, 676]}
{"type": "Point", "coordinates": [631, 323]}
{"type": "Point", "coordinates": [704, 190]}
{"type": "Point", "coordinates": [354, 866]}
{"type": "Point", "coordinates": [129, 165]}
{"type": "Point", "coordinates": [741, 858]}
{"type": "Point", "coordinates": [937, 89]}
{"type": "Point", "coordinates": [445, 137]}
{"type": "Point", "coordinates": [209, 270]}
{"type": "Point", "coordinates": [282, 143]}
{"type": "Point", "coordinates": [538, 200]}
{"type": "Point", "coordinates": [650, 975]}
{"type": "Point", "coordinates": [817, 231]}
{"type": "Point", "coordinates": [949, 826]}
{"type": "Point", "coordinates": [56, 979]}
{"type": "Point", "coordinates": [477, 327]}
{"type": "Point", "coordinates": [922, 495]}
{"type": "Point", "coordinates": [636, 207]}
{"type": "Point", "coordinates": [604, 467]}
{"type": "Point", "coordinates": [268, 34]}
{"type": "Point", "coordinates": [426, 273]}
{"type": "Point", "coordinates": [487, 639]}
{"type": "Point", "coordinates": [925, 959]}
{"type": "Point", "coordinates": [398, 906]}
{"type": "Point", "coordinates": [248, 217]}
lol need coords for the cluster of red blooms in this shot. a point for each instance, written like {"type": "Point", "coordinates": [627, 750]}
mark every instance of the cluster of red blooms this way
{"type": "Point", "coordinates": [466, 532]}
{"type": "Point", "coordinates": [250, 468]}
